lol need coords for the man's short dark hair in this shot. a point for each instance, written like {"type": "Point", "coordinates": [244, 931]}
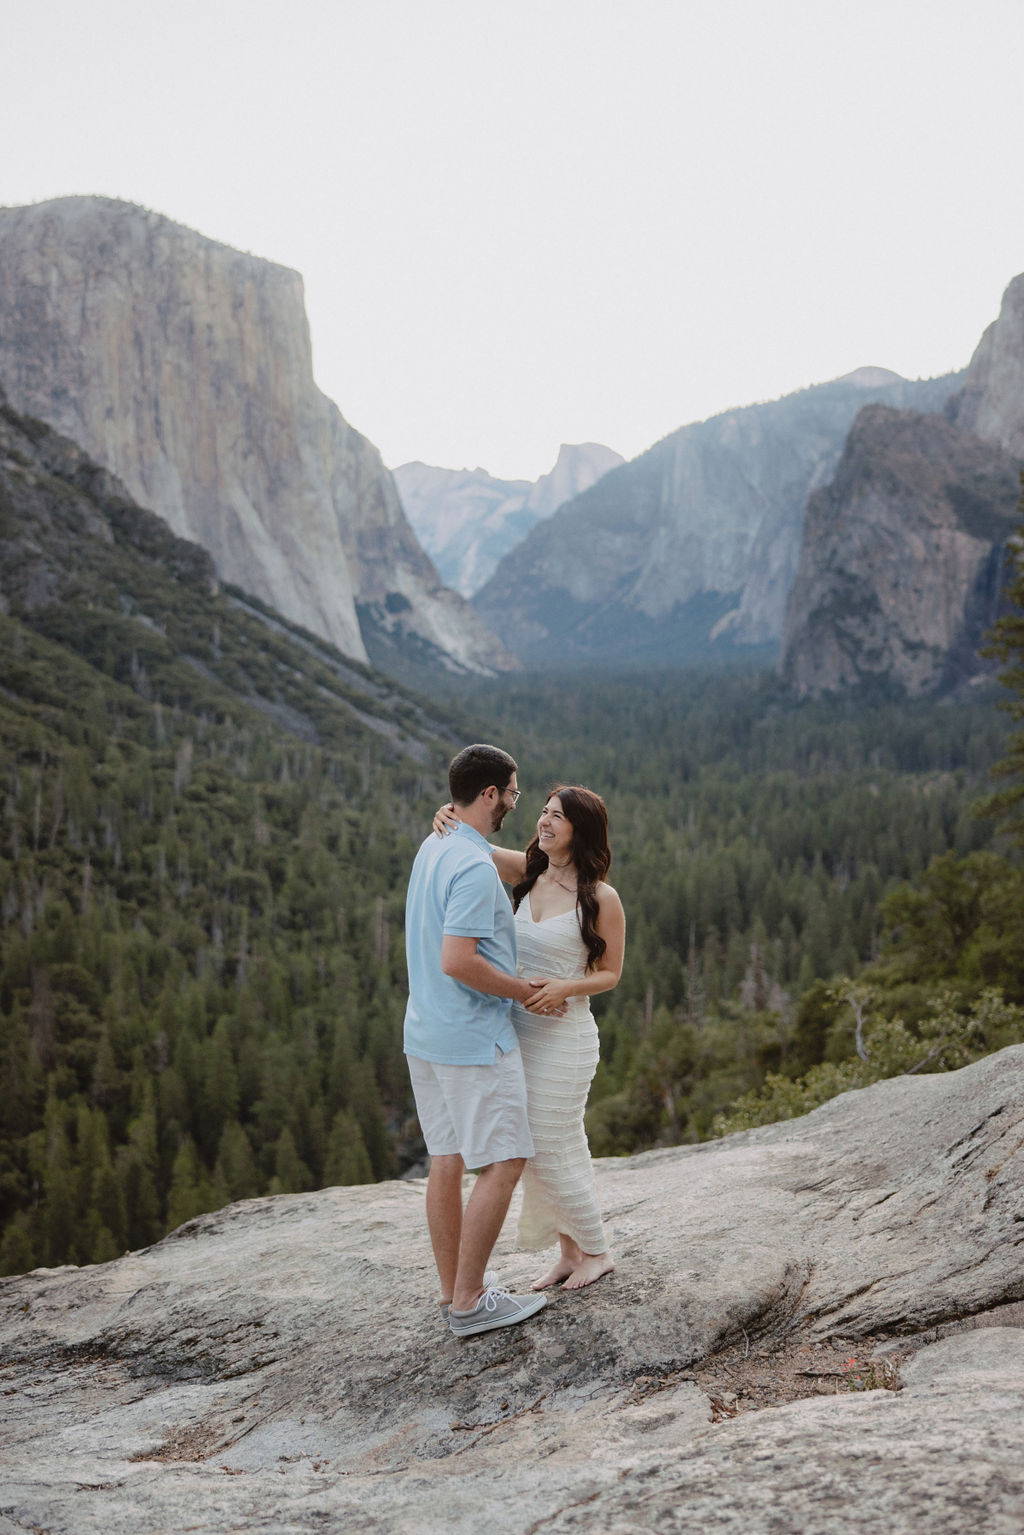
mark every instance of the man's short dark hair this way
{"type": "Point", "coordinates": [475, 768]}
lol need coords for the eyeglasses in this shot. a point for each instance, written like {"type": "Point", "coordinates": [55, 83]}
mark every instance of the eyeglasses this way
{"type": "Point", "coordinates": [515, 793]}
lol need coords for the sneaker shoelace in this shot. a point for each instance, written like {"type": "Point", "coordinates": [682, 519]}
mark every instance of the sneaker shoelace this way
{"type": "Point", "coordinates": [490, 1283]}
{"type": "Point", "coordinates": [493, 1294]}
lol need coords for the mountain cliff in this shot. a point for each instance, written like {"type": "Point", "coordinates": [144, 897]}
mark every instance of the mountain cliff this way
{"type": "Point", "coordinates": [901, 568]}
{"type": "Point", "coordinates": [693, 545]}
{"type": "Point", "coordinates": [991, 403]}
{"type": "Point", "coordinates": [467, 520]}
{"type": "Point", "coordinates": [185, 368]}
{"type": "Point", "coordinates": [902, 563]}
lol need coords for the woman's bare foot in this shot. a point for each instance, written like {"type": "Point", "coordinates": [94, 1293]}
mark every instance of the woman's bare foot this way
{"type": "Point", "coordinates": [562, 1269]}
{"type": "Point", "coordinates": [590, 1269]}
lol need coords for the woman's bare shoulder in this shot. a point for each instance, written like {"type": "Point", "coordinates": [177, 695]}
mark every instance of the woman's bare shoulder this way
{"type": "Point", "coordinates": [607, 895]}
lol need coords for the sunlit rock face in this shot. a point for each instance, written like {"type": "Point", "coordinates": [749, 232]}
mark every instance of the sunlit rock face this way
{"type": "Point", "coordinates": [991, 403]}
{"type": "Point", "coordinates": [903, 557]}
{"type": "Point", "coordinates": [185, 368]}
{"type": "Point", "coordinates": [693, 546]}
{"type": "Point", "coordinates": [467, 520]}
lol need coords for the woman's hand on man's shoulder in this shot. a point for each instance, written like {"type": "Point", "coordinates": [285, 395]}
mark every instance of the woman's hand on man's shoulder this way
{"type": "Point", "coordinates": [445, 820]}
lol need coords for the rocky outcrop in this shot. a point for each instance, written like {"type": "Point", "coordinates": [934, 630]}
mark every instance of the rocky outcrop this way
{"type": "Point", "coordinates": [467, 520]}
{"type": "Point", "coordinates": [694, 544]}
{"type": "Point", "coordinates": [903, 558]}
{"type": "Point", "coordinates": [184, 367]}
{"type": "Point", "coordinates": [578, 466]}
{"type": "Point", "coordinates": [281, 1365]}
{"type": "Point", "coordinates": [991, 403]}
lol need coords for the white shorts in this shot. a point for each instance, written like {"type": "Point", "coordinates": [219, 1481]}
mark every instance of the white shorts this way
{"type": "Point", "coordinates": [476, 1112]}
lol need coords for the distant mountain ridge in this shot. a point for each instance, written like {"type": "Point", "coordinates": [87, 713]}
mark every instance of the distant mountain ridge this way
{"type": "Point", "coordinates": [466, 519]}
{"type": "Point", "coordinates": [185, 368]}
{"type": "Point", "coordinates": [691, 548]}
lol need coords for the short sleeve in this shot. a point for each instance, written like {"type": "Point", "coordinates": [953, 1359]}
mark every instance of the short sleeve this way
{"type": "Point", "coordinates": [469, 902]}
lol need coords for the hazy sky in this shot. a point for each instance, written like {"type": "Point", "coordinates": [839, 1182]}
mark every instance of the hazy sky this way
{"type": "Point", "coordinates": [548, 221]}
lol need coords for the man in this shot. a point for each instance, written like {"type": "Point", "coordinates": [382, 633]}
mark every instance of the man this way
{"type": "Point", "coordinates": [464, 1061]}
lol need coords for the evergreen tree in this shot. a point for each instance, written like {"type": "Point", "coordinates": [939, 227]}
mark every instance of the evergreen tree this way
{"type": "Point", "coordinates": [347, 1158]}
{"type": "Point", "coordinates": [191, 1192]}
{"type": "Point", "coordinates": [291, 1175]}
{"type": "Point", "coordinates": [235, 1175]}
{"type": "Point", "coordinates": [18, 1248]}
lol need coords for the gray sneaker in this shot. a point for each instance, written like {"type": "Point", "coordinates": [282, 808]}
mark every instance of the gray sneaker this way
{"type": "Point", "coordinates": [490, 1283]}
{"type": "Point", "coordinates": [495, 1308]}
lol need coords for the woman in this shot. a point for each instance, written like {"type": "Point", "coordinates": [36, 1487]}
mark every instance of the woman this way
{"type": "Point", "coordinates": [570, 931]}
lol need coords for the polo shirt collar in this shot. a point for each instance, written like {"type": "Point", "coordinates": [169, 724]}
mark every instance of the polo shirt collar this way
{"type": "Point", "coordinates": [471, 831]}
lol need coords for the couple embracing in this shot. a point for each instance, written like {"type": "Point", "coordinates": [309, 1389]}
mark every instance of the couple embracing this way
{"type": "Point", "coordinates": [500, 1040]}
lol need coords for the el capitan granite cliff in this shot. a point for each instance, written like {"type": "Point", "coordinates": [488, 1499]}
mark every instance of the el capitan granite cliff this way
{"type": "Point", "coordinates": [185, 368]}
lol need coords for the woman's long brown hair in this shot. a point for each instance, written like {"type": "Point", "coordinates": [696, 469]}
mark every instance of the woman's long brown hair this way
{"type": "Point", "coordinates": [586, 814]}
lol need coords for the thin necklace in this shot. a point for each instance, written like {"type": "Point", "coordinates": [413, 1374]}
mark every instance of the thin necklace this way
{"type": "Point", "coordinates": [572, 889]}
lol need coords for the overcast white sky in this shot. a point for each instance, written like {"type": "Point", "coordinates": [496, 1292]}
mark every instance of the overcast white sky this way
{"type": "Point", "coordinates": [549, 221]}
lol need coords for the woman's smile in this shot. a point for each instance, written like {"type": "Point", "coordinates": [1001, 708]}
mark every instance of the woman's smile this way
{"type": "Point", "coordinates": [554, 831]}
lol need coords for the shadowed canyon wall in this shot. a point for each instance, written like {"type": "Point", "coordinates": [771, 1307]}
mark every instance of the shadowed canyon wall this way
{"type": "Point", "coordinates": [903, 560]}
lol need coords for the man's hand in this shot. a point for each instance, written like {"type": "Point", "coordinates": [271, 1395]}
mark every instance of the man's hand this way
{"type": "Point", "coordinates": [546, 997]}
{"type": "Point", "coordinates": [461, 960]}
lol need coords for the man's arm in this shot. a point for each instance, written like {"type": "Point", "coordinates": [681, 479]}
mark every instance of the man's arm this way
{"type": "Point", "coordinates": [460, 960]}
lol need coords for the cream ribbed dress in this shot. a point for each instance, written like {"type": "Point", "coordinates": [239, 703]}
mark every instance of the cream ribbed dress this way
{"type": "Point", "coordinates": [560, 1057]}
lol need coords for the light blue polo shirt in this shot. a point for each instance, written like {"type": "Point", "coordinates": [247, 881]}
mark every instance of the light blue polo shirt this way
{"type": "Point", "coordinates": [454, 888]}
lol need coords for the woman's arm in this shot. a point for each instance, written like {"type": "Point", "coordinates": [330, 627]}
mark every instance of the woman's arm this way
{"type": "Point", "coordinates": [611, 926]}
{"type": "Point", "coordinates": [511, 866]}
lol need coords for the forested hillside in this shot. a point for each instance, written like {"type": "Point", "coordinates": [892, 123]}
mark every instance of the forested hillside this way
{"type": "Point", "coordinates": [207, 825]}
{"type": "Point", "coordinates": [205, 829]}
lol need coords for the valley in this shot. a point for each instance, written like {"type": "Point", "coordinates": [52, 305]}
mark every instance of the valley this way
{"type": "Point", "coordinates": [215, 783]}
